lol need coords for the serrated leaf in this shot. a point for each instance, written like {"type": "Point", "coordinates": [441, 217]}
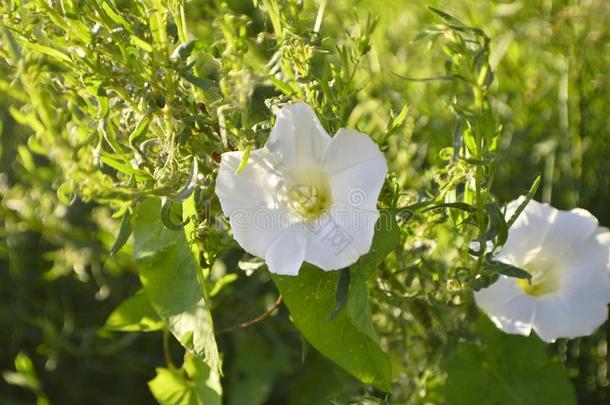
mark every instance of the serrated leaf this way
{"type": "Point", "coordinates": [169, 274]}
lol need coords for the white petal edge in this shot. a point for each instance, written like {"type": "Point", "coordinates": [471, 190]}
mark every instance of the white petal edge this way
{"type": "Point", "coordinates": [356, 168]}
{"type": "Point", "coordinates": [256, 229]}
{"type": "Point", "coordinates": [255, 186]}
{"type": "Point", "coordinates": [569, 228]}
{"type": "Point", "coordinates": [339, 238]}
{"type": "Point", "coordinates": [285, 256]}
{"type": "Point", "coordinates": [349, 148]}
{"type": "Point", "coordinates": [528, 233]}
{"type": "Point", "coordinates": [510, 309]}
{"type": "Point", "coordinates": [297, 138]}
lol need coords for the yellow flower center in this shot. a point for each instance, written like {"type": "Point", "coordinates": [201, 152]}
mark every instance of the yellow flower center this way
{"type": "Point", "coordinates": [546, 278]}
{"type": "Point", "coordinates": [310, 196]}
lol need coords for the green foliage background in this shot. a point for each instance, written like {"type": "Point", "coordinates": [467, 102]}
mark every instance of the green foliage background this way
{"type": "Point", "coordinates": [106, 103]}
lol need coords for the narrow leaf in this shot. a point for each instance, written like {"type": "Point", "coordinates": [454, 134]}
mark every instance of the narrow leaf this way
{"type": "Point", "coordinates": [191, 184]}
{"type": "Point", "coordinates": [166, 212]}
{"type": "Point", "coordinates": [508, 270]}
{"type": "Point", "coordinates": [124, 232]}
{"type": "Point", "coordinates": [456, 205]}
{"type": "Point", "coordinates": [530, 194]}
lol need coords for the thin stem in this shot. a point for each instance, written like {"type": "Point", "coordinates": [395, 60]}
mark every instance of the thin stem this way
{"type": "Point", "coordinates": [259, 318]}
{"type": "Point", "coordinates": [166, 354]}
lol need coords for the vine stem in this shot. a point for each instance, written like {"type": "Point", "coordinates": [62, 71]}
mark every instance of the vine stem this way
{"type": "Point", "coordinates": [251, 322]}
{"type": "Point", "coordinates": [166, 353]}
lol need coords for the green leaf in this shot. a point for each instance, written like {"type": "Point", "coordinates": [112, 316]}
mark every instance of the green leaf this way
{"type": "Point", "coordinates": [167, 208]}
{"type": "Point", "coordinates": [115, 15]}
{"type": "Point", "coordinates": [257, 363]}
{"type": "Point", "coordinates": [140, 43]}
{"type": "Point", "coordinates": [121, 167]}
{"type": "Point", "coordinates": [184, 50]}
{"type": "Point", "coordinates": [195, 384]}
{"type": "Point", "coordinates": [496, 226]}
{"type": "Point", "coordinates": [341, 293]}
{"type": "Point", "coordinates": [397, 122]}
{"type": "Point", "coordinates": [508, 270]}
{"type": "Point", "coordinates": [124, 232]}
{"type": "Point", "coordinates": [387, 238]}
{"type": "Point", "coordinates": [54, 53]}
{"type": "Point", "coordinates": [505, 370]}
{"type": "Point", "coordinates": [141, 128]}
{"type": "Point", "coordinates": [244, 159]}
{"type": "Point", "coordinates": [135, 314]}
{"type": "Point", "coordinates": [350, 339]}
{"type": "Point", "coordinates": [190, 186]}
{"type": "Point", "coordinates": [203, 84]}
{"type": "Point", "coordinates": [449, 18]}
{"type": "Point", "coordinates": [528, 198]}
{"type": "Point", "coordinates": [457, 205]}
{"type": "Point", "coordinates": [169, 274]}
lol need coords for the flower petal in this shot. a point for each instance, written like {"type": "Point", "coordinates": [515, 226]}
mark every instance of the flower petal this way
{"type": "Point", "coordinates": [595, 251]}
{"type": "Point", "coordinates": [256, 229]}
{"type": "Point", "coordinates": [256, 186]}
{"type": "Point", "coordinates": [569, 228]}
{"type": "Point", "coordinates": [339, 238]}
{"type": "Point", "coordinates": [528, 233]}
{"type": "Point", "coordinates": [358, 223]}
{"type": "Point", "coordinates": [510, 309]}
{"type": "Point", "coordinates": [297, 138]}
{"type": "Point", "coordinates": [285, 256]}
{"type": "Point", "coordinates": [576, 310]}
{"type": "Point", "coordinates": [552, 318]}
{"type": "Point", "coordinates": [588, 306]}
{"type": "Point", "coordinates": [349, 148]}
{"type": "Point", "coordinates": [356, 168]}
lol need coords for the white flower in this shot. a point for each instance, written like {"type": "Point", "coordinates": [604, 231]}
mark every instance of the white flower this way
{"type": "Point", "coordinates": [304, 196]}
{"type": "Point", "coordinates": [567, 254]}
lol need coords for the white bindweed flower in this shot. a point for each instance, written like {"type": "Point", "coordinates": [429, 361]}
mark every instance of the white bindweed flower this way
{"type": "Point", "coordinates": [567, 254]}
{"type": "Point", "coordinates": [304, 196]}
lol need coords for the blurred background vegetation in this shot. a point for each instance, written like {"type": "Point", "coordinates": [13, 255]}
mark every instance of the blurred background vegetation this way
{"type": "Point", "coordinates": [58, 283]}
